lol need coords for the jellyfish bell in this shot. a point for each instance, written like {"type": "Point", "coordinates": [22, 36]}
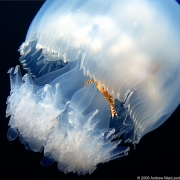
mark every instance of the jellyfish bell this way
{"type": "Point", "coordinates": [130, 50]}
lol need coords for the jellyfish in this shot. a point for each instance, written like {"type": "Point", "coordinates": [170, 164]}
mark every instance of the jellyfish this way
{"type": "Point", "coordinates": [97, 71]}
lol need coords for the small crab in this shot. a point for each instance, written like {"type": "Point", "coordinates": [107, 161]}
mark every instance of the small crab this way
{"type": "Point", "coordinates": [108, 97]}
